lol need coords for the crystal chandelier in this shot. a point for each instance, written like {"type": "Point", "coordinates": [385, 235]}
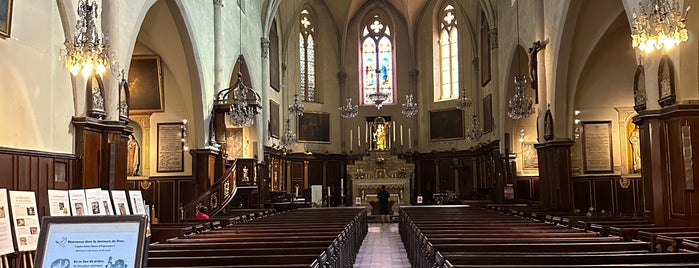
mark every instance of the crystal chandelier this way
{"type": "Point", "coordinates": [289, 137]}
{"type": "Point", "coordinates": [464, 102]}
{"type": "Point", "coordinates": [89, 49]}
{"type": "Point", "coordinates": [378, 98]}
{"type": "Point", "coordinates": [521, 105]}
{"type": "Point", "coordinates": [409, 108]}
{"type": "Point", "coordinates": [296, 108]}
{"type": "Point", "coordinates": [475, 132]}
{"type": "Point", "coordinates": [241, 114]}
{"type": "Point", "coordinates": [349, 110]}
{"type": "Point", "coordinates": [660, 24]}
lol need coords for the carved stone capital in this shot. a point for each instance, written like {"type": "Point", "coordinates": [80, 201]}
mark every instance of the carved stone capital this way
{"type": "Point", "coordinates": [264, 43]}
{"type": "Point", "coordinates": [218, 3]}
{"type": "Point", "coordinates": [493, 38]}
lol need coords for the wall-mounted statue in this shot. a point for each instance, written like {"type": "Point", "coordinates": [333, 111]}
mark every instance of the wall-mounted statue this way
{"type": "Point", "coordinates": [533, 72]}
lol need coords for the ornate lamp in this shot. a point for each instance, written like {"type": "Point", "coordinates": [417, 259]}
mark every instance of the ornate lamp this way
{"type": "Point", "coordinates": [409, 108]}
{"type": "Point", "coordinates": [241, 112]}
{"type": "Point", "coordinates": [660, 24]}
{"type": "Point", "coordinates": [89, 49]}
{"type": "Point", "coordinates": [296, 108]}
{"type": "Point", "coordinates": [463, 102]}
{"type": "Point", "coordinates": [349, 110]}
{"type": "Point", "coordinates": [475, 132]}
{"type": "Point", "coordinates": [288, 139]}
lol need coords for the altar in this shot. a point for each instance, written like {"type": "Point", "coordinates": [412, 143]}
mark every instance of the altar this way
{"type": "Point", "coordinates": [380, 168]}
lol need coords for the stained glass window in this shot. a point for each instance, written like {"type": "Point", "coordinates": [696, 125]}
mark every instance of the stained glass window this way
{"type": "Point", "coordinates": [377, 61]}
{"type": "Point", "coordinates": [448, 55]}
{"type": "Point", "coordinates": [307, 57]}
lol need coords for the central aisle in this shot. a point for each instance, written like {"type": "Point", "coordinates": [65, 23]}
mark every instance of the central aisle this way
{"type": "Point", "coordinates": [382, 248]}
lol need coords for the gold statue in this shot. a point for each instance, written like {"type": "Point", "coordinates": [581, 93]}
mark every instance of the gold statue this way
{"type": "Point", "coordinates": [380, 137]}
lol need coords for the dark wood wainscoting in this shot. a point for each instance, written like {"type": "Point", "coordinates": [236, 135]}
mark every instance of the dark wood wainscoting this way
{"type": "Point", "coordinates": [164, 193]}
{"type": "Point", "coordinates": [471, 174]}
{"type": "Point", "coordinates": [612, 194]}
{"type": "Point", "coordinates": [26, 170]}
{"type": "Point", "coordinates": [316, 169]}
{"type": "Point", "coordinates": [527, 188]}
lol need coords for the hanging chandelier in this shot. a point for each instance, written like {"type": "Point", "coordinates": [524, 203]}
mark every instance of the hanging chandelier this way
{"type": "Point", "coordinates": [463, 102]}
{"type": "Point", "coordinates": [241, 113]}
{"type": "Point", "coordinates": [660, 24]}
{"type": "Point", "coordinates": [296, 108]}
{"type": "Point", "coordinates": [89, 49]}
{"type": "Point", "coordinates": [349, 110]}
{"type": "Point", "coordinates": [409, 108]}
{"type": "Point", "coordinates": [378, 98]}
{"type": "Point", "coordinates": [521, 105]}
{"type": "Point", "coordinates": [288, 139]}
{"type": "Point", "coordinates": [475, 132]}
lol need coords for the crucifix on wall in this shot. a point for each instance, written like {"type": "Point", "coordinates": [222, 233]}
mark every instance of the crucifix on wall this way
{"type": "Point", "coordinates": [533, 72]}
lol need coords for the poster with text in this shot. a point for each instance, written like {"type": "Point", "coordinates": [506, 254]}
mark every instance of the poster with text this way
{"type": "Point", "coordinates": [59, 202]}
{"type": "Point", "coordinates": [25, 219]}
{"type": "Point", "coordinates": [93, 198]}
{"type": "Point", "coordinates": [77, 202]}
{"type": "Point", "coordinates": [107, 203]}
{"type": "Point", "coordinates": [7, 245]}
{"type": "Point", "coordinates": [91, 245]}
{"type": "Point", "coordinates": [121, 203]}
{"type": "Point", "coordinates": [136, 200]}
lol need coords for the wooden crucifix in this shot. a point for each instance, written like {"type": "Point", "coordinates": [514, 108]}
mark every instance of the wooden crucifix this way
{"type": "Point", "coordinates": [533, 72]}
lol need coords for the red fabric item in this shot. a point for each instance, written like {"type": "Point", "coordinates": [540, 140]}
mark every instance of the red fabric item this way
{"type": "Point", "coordinates": [201, 216]}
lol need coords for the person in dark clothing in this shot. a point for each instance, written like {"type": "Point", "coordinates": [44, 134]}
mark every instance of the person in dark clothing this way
{"type": "Point", "coordinates": [383, 196]}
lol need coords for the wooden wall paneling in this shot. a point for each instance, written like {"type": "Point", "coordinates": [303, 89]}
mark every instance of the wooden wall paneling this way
{"type": "Point", "coordinates": [91, 159]}
{"type": "Point", "coordinates": [46, 181]}
{"type": "Point", "coordinates": [24, 173]}
{"type": "Point", "coordinates": [315, 173]}
{"type": "Point", "coordinates": [7, 169]}
{"type": "Point", "coordinates": [674, 176]}
{"type": "Point", "coordinates": [523, 188]}
{"type": "Point", "coordinates": [555, 174]}
{"type": "Point", "coordinates": [297, 176]}
{"type": "Point", "coordinates": [655, 198]}
{"type": "Point", "coordinates": [536, 189]}
{"type": "Point", "coordinates": [333, 175]}
{"type": "Point", "coordinates": [166, 209]}
{"type": "Point", "coordinates": [446, 176]}
{"type": "Point", "coordinates": [604, 198]}
{"type": "Point", "coordinates": [426, 180]}
{"type": "Point", "coordinates": [582, 195]}
{"type": "Point", "coordinates": [465, 180]}
{"type": "Point", "coordinates": [627, 201]}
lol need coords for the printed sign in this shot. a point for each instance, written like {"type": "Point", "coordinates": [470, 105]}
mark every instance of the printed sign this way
{"type": "Point", "coordinates": [25, 219]}
{"type": "Point", "coordinates": [59, 203]}
{"type": "Point", "coordinates": [7, 245]}
{"type": "Point", "coordinates": [107, 203]}
{"type": "Point", "coordinates": [121, 203]}
{"type": "Point", "coordinates": [93, 199]}
{"type": "Point", "coordinates": [77, 202]}
{"type": "Point", "coordinates": [136, 200]}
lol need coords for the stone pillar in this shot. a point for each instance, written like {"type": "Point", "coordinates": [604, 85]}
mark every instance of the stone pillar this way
{"type": "Point", "coordinates": [555, 174]}
{"type": "Point", "coordinates": [263, 126]}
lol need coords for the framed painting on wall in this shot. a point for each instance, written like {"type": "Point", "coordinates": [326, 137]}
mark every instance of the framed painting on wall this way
{"type": "Point", "coordinates": [314, 127]}
{"type": "Point", "coordinates": [488, 114]}
{"type": "Point", "coordinates": [273, 119]}
{"type": "Point", "coordinates": [5, 18]}
{"type": "Point", "coordinates": [597, 147]}
{"type": "Point", "coordinates": [146, 85]}
{"type": "Point", "coordinates": [446, 124]}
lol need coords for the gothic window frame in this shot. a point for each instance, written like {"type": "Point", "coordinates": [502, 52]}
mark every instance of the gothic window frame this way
{"type": "Point", "coordinates": [307, 80]}
{"type": "Point", "coordinates": [384, 29]}
{"type": "Point", "coordinates": [448, 75]}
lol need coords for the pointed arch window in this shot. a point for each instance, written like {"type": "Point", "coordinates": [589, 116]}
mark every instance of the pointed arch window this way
{"type": "Point", "coordinates": [307, 57]}
{"type": "Point", "coordinates": [377, 60]}
{"type": "Point", "coordinates": [448, 55]}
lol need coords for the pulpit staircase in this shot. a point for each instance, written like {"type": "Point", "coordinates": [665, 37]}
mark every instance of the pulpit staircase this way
{"type": "Point", "coordinates": [224, 195]}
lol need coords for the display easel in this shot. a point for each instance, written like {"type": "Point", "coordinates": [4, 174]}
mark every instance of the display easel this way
{"type": "Point", "coordinates": [5, 262]}
{"type": "Point", "coordinates": [26, 259]}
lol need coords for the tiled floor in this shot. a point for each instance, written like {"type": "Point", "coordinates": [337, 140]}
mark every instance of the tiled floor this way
{"type": "Point", "coordinates": [382, 248]}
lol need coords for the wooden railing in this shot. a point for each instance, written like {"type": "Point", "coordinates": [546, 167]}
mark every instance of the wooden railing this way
{"type": "Point", "coordinates": [216, 198]}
